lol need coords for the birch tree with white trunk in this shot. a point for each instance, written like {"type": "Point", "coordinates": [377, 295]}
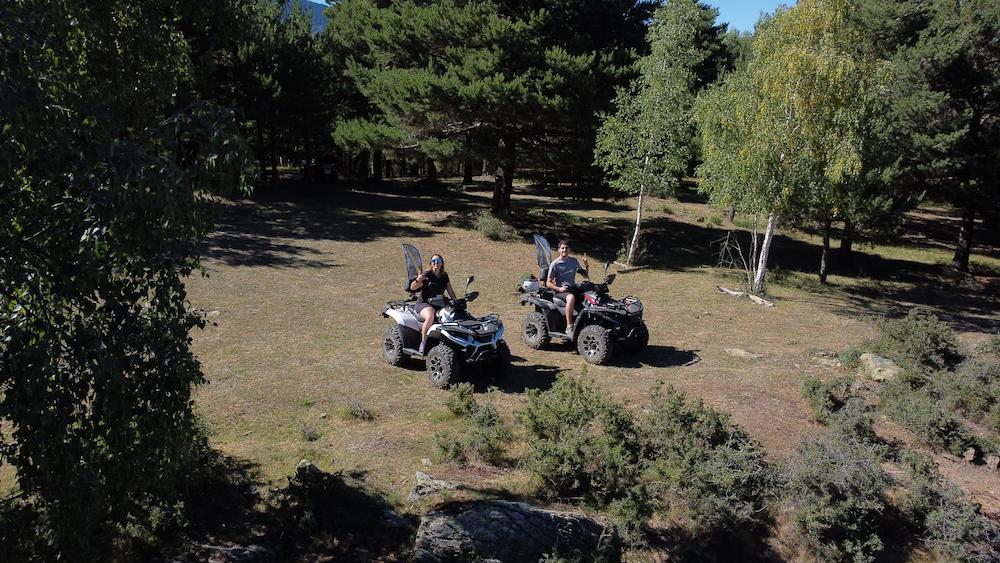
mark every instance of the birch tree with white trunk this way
{"type": "Point", "coordinates": [646, 144]}
{"type": "Point", "coordinates": [796, 132]}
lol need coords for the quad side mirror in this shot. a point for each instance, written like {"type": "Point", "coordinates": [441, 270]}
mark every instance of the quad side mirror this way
{"type": "Point", "coordinates": [469, 280]}
{"type": "Point", "coordinates": [471, 296]}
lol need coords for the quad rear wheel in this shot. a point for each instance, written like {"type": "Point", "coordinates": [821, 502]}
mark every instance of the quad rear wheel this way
{"type": "Point", "coordinates": [595, 344]}
{"type": "Point", "coordinates": [535, 331]}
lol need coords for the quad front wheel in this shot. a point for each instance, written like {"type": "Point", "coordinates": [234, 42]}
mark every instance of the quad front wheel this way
{"type": "Point", "coordinates": [595, 344]}
{"type": "Point", "coordinates": [392, 346]}
{"type": "Point", "coordinates": [442, 365]}
{"type": "Point", "coordinates": [535, 331]}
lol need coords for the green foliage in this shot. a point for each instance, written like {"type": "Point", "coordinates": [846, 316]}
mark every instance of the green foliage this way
{"type": "Point", "coordinates": [923, 414]}
{"type": "Point", "coordinates": [493, 228]}
{"type": "Point", "coordinates": [851, 357]}
{"type": "Point", "coordinates": [992, 346]}
{"type": "Point", "coordinates": [972, 390]}
{"type": "Point", "coordinates": [507, 81]}
{"type": "Point", "coordinates": [947, 92]}
{"type": "Point", "coordinates": [105, 162]}
{"type": "Point", "coordinates": [854, 420]}
{"type": "Point", "coordinates": [950, 524]}
{"type": "Point", "coordinates": [449, 447]}
{"type": "Point", "coordinates": [461, 401]}
{"type": "Point", "coordinates": [834, 493]}
{"type": "Point", "coordinates": [827, 398]}
{"type": "Point", "coordinates": [309, 433]}
{"type": "Point", "coordinates": [919, 342]}
{"type": "Point", "coordinates": [717, 471]}
{"type": "Point", "coordinates": [489, 434]}
{"type": "Point", "coordinates": [800, 129]}
{"type": "Point", "coordinates": [581, 443]}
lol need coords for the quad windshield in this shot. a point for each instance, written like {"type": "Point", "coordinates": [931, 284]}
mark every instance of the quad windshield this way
{"type": "Point", "coordinates": [414, 265]}
{"type": "Point", "coordinates": [544, 253]}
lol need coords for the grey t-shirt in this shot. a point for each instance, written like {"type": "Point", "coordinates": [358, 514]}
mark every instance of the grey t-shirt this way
{"type": "Point", "coordinates": [564, 271]}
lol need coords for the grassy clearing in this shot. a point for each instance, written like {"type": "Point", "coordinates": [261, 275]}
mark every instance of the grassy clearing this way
{"type": "Point", "coordinates": [299, 279]}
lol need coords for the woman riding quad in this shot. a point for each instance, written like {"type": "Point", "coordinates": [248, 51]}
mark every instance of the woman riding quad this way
{"type": "Point", "coordinates": [431, 283]}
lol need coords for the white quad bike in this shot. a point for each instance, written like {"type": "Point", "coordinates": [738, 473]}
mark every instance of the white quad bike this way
{"type": "Point", "coordinates": [455, 339]}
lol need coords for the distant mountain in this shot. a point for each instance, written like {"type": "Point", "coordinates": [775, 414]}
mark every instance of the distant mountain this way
{"type": "Point", "coordinates": [314, 9]}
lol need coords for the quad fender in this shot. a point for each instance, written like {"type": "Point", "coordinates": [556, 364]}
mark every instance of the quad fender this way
{"type": "Point", "coordinates": [402, 318]}
{"type": "Point", "coordinates": [537, 302]}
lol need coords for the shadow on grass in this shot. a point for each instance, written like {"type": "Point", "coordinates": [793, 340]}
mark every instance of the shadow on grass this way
{"type": "Point", "coordinates": [658, 357]}
{"type": "Point", "coordinates": [270, 229]}
{"type": "Point", "coordinates": [316, 515]}
{"type": "Point", "coordinates": [521, 378]}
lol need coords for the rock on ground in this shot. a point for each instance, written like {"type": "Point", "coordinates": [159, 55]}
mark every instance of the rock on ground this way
{"type": "Point", "coordinates": [508, 531]}
{"type": "Point", "coordinates": [742, 354]}
{"type": "Point", "coordinates": [427, 485]}
{"type": "Point", "coordinates": [878, 368]}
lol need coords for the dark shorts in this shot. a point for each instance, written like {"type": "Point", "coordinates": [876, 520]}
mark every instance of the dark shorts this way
{"type": "Point", "coordinates": [563, 294]}
{"type": "Point", "coordinates": [420, 306]}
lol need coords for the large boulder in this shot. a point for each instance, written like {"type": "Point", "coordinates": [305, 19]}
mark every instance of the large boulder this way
{"type": "Point", "coordinates": [878, 368]}
{"type": "Point", "coordinates": [509, 531]}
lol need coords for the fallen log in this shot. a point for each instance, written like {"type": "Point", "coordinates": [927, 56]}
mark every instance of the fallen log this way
{"type": "Point", "coordinates": [730, 292]}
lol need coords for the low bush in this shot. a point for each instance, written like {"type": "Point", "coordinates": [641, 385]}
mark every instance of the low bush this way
{"type": "Point", "coordinates": [493, 228]}
{"type": "Point", "coordinates": [950, 525]}
{"type": "Point", "coordinates": [581, 444]}
{"type": "Point", "coordinates": [309, 433]}
{"type": "Point", "coordinates": [991, 346]}
{"type": "Point", "coordinates": [834, 493]}
{"type": "Point", "coordinates": [461, 401]}
{"type": "Point", "coordinates": [489, 434]}
{"type": "Point", "coordinates": [924, 415]}
{"type": "Point", "coordinates": [973, 390]}
{"type": "Point", "coordinates": [854, 420]}
{"type": "Point", "coordinates": [719, 473]}
{"type": "Point", "coordinates": [919, 342]}
{"type": "Point", "coordinates": [449, 447]}
{"type": "Point", "coordinates": [851, 357]}
{"type": "Point", "coordinates": [827, 398]}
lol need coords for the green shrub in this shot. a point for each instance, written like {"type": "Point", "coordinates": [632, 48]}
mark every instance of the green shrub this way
{"type": "Point", "coordinates": [493, 228]}
{"type": "Point", "coordinates": [715, 220]}
{"type": "Point", "coordinates": [449, 447]}
{"type": "Point", "coordinates": [919, 342]}
{"type": "Point", "coordinates": [851, 357]}
{"type": "Point", "coordinates": [827, 398]}
{"type": "Point", "coordinates": [991, 346]}
{"type": "Point", "coordinates": [921, 413]}
{"type": "Point", "coordinates": [581, 444]}
{"type": "Point", "coordinates": [972, 390]}
{"type": "Point", "coordinates": [489, 434]}
{"type": "Point", "coordinates": [461, 401]}
{"type": "Point", "coordinates": [854, 420]}
{"type": "Point", "coordinates": [309, 433]}
{"type": "Point", "coordinates": [948, 522]}
{"type": "Point", "coordinates": [700, 457]}
{"type": "Point", "coordinates": [834, 491]}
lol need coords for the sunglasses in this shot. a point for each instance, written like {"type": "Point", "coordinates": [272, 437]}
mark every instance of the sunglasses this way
{"type": "Point", "coordinates": [437, 261]}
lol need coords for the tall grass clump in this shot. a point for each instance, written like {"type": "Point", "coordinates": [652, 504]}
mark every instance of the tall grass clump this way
{"type": "Point", "coordinates": [493, 228]}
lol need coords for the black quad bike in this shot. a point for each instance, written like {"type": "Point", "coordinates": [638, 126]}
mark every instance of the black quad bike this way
{"type": "Point", "coordinates": [455, 339]}
{"type": "Point", "coordinates": [602, 324]}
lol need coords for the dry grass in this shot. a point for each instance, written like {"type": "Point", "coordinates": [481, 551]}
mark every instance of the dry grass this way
{"type": "Point", "coordinates": [299, 279]}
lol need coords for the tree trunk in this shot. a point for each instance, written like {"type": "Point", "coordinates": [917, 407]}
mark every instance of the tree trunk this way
{"type": "Point", "coordinates": [634, 246]}
{"type": "Point", "coordinates": [274, 151]}
{"type": "Point", "coordinates": [431, 169]}
{"type": "Point", "coordinates": [824, 258]}
{"type": "Point", "coordinates": [845, 255]}
{"type": "Point", "coordinates": [378, 165]}
{"type": "Point", "coordinates": [469, 163]}
{"type": "Point", "coordinates": [732, 214]}
{"type": "Point", "coordinates": [505, 175]}
{"type": "Point", "coordinates": [963, 249]}
{"type": "Point", "coordinates": [758, 281]}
